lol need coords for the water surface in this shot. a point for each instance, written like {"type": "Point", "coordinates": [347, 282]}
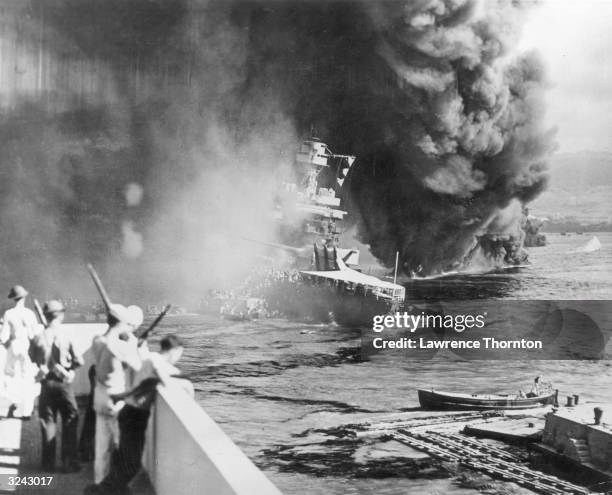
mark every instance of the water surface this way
{"type": "Point", "coordinates": [271, 384]}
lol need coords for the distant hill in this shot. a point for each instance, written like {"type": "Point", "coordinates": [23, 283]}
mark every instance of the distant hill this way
{"type": "Point", "coordinates": [580, 187]}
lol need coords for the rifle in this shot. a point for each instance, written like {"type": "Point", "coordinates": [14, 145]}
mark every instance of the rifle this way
{"type": "Point", "coordinates": [99, 286]}
{"type": "Point", "coordinates": [145, 387]}
{"type": "Point", "coordinates": [143, 336]}
{"type": "Point", "coordinates": [39, 312]}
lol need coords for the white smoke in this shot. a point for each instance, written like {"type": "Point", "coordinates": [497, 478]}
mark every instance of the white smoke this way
{"type": "Point", "coordinates": [132, 245]}
{"type": "Point", "coordinates": [133, 194]}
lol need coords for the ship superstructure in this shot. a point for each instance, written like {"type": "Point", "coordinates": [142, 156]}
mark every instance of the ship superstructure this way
{"type": "Point", "coordinates": [319, 278]}
{"type": "Point", "coordinates": [308, 206]}
{"type": "Point", "coordinates": [309, 210]}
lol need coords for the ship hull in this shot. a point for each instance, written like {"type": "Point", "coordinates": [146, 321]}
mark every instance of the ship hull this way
{"type": "Point", "coordinates": [300, 301]}
{"type": "Point", "coordinates": [432, 400]}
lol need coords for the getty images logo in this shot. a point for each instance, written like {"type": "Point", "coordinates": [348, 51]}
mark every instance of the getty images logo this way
{"type": "Point", "coordinates": [412, 322]}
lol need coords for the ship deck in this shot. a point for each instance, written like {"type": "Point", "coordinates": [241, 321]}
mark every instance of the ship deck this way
{"type": "Point", "coordinates": [20, 452]}
{"type": "Point", "coordinates": [179, 429]}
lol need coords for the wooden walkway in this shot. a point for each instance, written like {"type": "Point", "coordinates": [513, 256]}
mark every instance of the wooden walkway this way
{"type": "Point", "coordinates": [20, 452]}
{"type": "Point", "coordinates": [480, 456]}
{"type": "Point", "coordinates": [438, 435]}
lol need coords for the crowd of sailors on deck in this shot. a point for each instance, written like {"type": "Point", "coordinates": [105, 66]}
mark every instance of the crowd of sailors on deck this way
{"type": "Point", "coordinates": [262, 279]}
{"type": "Point", "coordinates": [41, 359]}
{"type": "Point", "coordinates": [265, 279]}
{"type": "Point", "coordinates": [255, 297]}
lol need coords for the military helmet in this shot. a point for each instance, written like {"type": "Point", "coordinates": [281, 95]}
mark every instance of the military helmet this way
{"type": "Point", "coordinates": [53, 307]}
{"type": "Point", "coordinates": [17, 292]}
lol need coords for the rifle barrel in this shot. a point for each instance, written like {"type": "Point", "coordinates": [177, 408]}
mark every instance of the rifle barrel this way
{"type": "Point", "coordinates": [39, 312]}
{"type": "Point", "coordinates": [99, 286]}
{"type": "Point", "coordinates": [155, 322]}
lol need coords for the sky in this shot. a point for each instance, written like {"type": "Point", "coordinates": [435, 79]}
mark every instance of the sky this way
{"type": "Point", "coordinates": [574, 37]}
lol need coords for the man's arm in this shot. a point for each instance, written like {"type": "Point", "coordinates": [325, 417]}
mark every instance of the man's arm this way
{"type": "Point", "coordinates": [32, 323]}
{"type": "Point", "coordinates": [163, 369]}
{"type": "Point", "coordinates": [96, 344]}
{"type": "Point", "coordinates": [5, 333]}
{"type": "Point", "coordinates": [146, 386]}
{"type": "Point", "coordinates": [75, 358]}
{"type": "Point", "coordinates": [125, 350]}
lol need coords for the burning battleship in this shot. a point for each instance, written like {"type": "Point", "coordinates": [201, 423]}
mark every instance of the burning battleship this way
{"type": "Point", "coordinates": [323, 281]}
{"type": "Point", "coordinates": [312, 275]}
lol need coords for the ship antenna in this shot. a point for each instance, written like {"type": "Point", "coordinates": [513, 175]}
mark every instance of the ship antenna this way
{"type": "Point", "coordinates": [313, 131]}
{"type": "Point", "coordinates": [396, 262]}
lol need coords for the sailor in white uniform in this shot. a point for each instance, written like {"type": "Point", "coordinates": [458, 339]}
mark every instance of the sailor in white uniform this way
{"type": "Point", "coordinates": [18, 328]}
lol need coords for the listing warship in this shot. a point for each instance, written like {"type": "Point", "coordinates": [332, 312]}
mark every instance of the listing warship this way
{"type": "Point", "coordinates": [323, 281]}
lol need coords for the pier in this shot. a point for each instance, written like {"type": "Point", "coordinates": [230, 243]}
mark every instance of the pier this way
{"type": "Point", "coordinates": [449, 436]}
{"type": "Point", "coordinates": [573, 434]}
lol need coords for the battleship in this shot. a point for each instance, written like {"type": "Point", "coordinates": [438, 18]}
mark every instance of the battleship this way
{"type": "Point", "coordinates": [324, 282]}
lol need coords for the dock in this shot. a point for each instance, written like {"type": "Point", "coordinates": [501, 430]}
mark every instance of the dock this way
{"type": "Point", "coordinates": [448, 437]}
{"type": "Point", "coordinates": [478, 455]}
{"type": "Point", "coordinates": [572, 434]}
{"type": "Point", "coordinates": [512, 430]}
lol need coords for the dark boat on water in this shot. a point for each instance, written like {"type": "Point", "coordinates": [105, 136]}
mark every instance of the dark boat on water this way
{"type": "Point", "coordinates": [430, 399]}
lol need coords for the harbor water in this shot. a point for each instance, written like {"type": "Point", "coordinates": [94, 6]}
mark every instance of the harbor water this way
{"type": "Point", "coordinates": [274, 385]}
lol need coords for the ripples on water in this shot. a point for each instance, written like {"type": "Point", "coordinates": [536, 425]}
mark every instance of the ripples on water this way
{"type": "Point", "coordinates": [273, 384]}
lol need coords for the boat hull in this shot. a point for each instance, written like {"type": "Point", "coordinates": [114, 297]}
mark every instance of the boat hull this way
{"type": "Point", "coordinates": [432, 400]}
{"type": "Point", "coordinates": [321, 303]}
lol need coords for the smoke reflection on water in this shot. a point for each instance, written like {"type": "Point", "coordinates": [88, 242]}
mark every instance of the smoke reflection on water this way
{"type": "Point", "coordinates": [271, 384]}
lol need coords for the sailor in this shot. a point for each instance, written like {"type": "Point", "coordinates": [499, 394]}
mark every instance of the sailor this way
{"type": "Point", "coordinates": [57, 361]}
{"type": "Point", "coordinates": [18, 328]}
{"type": "Point", "coordinates": [112, 351]}
{"type": "Point", "coordinates": [88, 431]}
{"type": "Point", "coordinates": [156, 368]}
{"type": "Point", "coordinates": [536, 388]}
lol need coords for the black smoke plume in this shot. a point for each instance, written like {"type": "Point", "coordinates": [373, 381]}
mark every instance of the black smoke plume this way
{"type": "Point", "coordinates": [145, 136]}
{"type": "Point", "coordinates": [462, 144]}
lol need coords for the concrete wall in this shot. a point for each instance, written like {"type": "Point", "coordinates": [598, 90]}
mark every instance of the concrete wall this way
{"type": "Point", "coordinates": [600, 446]}
{"type": "Point", "coordinates": [561, 428]}
{"type": "Point", "coordinates": [187, 453]}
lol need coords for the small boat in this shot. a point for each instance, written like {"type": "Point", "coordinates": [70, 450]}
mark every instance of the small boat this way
{"type": "Point", "coordinates": [430, 399]}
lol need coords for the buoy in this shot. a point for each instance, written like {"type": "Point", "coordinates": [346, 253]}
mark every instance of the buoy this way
{"type": "Point", "coordinates": [570, 401]}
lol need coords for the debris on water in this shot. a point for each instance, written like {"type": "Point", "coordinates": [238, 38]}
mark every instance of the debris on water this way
{"type": "Point", "coordinates": [486, 485]}
{"type": "Point", "coordinates": [357, 458]}
{"type": "Point", "coordinates": [274, 367]}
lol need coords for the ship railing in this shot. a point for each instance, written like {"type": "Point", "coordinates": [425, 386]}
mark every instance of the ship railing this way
{"type": "Point", "coordinates": [186, 451]}
{"type": "Point", "coordinates": [357, 289]}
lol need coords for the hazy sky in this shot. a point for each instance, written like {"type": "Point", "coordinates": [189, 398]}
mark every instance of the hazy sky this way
{"type": "Point", "coordinates": [575, 39]}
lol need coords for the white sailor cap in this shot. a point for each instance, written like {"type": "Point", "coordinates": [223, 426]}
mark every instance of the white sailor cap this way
{"type": "Point", "coordinates": [132, 315]}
